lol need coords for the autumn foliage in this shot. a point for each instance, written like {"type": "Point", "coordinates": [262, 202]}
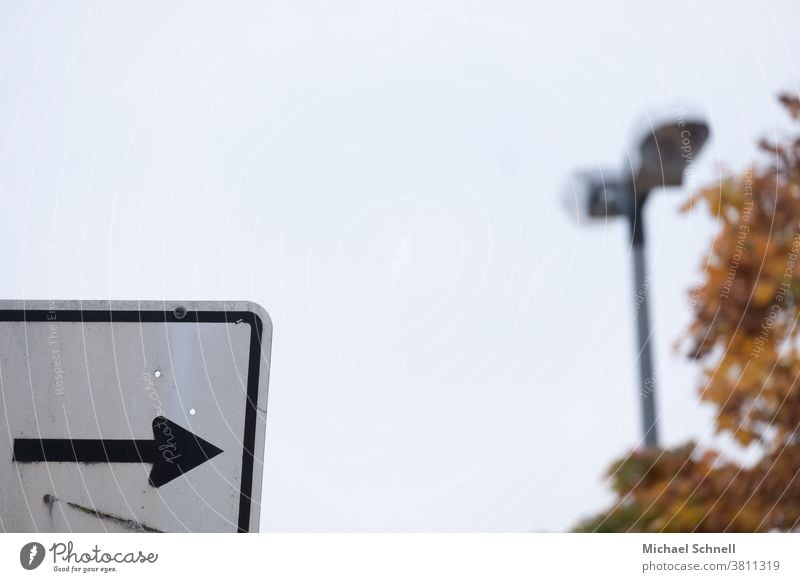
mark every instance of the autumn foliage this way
{"type": "Point", "coordinates": [745, 335]}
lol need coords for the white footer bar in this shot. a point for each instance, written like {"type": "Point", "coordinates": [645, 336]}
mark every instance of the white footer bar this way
{"type": "Point", "coordinates": [406, 557]}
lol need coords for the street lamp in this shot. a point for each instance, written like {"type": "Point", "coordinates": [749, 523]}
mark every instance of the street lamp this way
{"type": "Point", "coordinates": [659, 156]}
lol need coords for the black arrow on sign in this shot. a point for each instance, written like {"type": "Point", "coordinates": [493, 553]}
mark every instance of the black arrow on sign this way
{"type": "Point", "coordinates": [173, 452]}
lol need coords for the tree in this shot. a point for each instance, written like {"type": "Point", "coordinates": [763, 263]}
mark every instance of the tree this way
{"type": "Point", "coordinates": [745, 335]}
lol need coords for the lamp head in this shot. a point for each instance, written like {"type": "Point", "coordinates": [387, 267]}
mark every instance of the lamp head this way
{"type": "Point", "coordinates": [664, 148]}
{"type": "Point", "coordinates": [593, 194]}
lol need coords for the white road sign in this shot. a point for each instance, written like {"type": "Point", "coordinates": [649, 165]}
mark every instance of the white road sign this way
{"type": "Point", "coordinates": [132, 416]}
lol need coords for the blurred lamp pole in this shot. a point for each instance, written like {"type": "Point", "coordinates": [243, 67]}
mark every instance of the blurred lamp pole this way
{"type": "Point", "coordinates": [659, 156]}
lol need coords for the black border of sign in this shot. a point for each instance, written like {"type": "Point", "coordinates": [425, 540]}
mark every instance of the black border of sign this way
{"type": "Point", "coordinates": [167, 316]}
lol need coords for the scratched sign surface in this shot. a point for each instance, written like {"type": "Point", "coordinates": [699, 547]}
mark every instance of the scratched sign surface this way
{"type": "Point", "coordinates": [132, 416]}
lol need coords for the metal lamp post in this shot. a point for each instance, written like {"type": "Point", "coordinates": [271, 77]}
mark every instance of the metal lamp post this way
{"type": "Point", "coordinates": [659, 158]}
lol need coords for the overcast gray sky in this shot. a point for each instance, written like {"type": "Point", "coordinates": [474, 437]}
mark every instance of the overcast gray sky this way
{"type": "Point", "coordinates": [451, 351]}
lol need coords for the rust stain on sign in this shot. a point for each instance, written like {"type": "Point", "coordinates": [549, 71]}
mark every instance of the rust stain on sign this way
{"type": "Point", "coordinates": [130, 524]}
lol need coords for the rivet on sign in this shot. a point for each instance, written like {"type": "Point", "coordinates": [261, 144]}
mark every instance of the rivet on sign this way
{"type": "Point", "coordinates": [157, 373]}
